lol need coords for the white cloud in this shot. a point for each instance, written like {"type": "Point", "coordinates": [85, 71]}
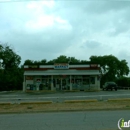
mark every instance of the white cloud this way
{"type": "Point", "coordinates": [46, 29]}
{"type": "Point", "coordinates": [40, 22]}
{"type": "Point", "coordinates": [41, 4]}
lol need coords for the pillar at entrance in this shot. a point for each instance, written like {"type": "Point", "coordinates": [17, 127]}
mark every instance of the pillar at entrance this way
{"type": "Point", "coordinates": [97, 83]}
{"type": "Point", "coordinates": [61, 84]}
{"type": "Point", "coordinates": [70, 83]}
{"type": "Point", "coordinates": [24, 85]}
{"type": "Point", "coordinates": [52, 86]}
{"type": "Point", "coordinates": [37, 86]}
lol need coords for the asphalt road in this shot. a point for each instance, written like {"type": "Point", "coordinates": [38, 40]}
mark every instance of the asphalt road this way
{"type": "Point", "coordinates": [17, 97]}
{"type": "Point", "coordinates": [89, 120]}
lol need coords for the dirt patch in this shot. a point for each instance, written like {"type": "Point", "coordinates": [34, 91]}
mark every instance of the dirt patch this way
{"type": "Point", "coordinates": [102, 105]}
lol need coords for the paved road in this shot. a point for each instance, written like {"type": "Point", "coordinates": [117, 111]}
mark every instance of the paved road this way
{"type": "Point", "coordinates": [61, 96]}
{"type": "Point", "coordinates": [90, 120]}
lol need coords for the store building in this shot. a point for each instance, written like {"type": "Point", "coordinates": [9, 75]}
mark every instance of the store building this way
{"type": "Point", "coordinates": [61, 76]}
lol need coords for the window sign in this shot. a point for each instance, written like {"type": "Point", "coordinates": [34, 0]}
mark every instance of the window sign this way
{"type": "Point", "coordinates": [38, 80]}
{"type": "Point", "coordinates": [29, 78]}
{"type": "Point", "coordinates": [61, 66]}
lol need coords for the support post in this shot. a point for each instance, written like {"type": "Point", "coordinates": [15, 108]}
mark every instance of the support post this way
{"type": "Point", "coordinates": [97, 82]}
{"type": "Point", "coordinates": [61, 83]}
{"type": "Point", "coordinates": [70, 83]}
{"type": "Point", "coordinates": [24, 84]}
{"type": "Point", "coordinates": [52, 87]}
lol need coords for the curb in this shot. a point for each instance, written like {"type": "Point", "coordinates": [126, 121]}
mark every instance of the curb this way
{"type": "Point", "coordinates": [5, 103]}
{"type": "Point", "coordinates": [80, 110]}
{"type": "Point", "coordinates": [42, 91]}
{"type": "Point", "coordinates": [118, 99]}
{"type": "Point", "coordinates": [45, 102]}
{"type": "Point", "coordinates": [80, 101]}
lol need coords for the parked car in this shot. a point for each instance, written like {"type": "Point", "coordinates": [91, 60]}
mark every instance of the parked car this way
{"type": "Point", "coordinates": [110, 85]}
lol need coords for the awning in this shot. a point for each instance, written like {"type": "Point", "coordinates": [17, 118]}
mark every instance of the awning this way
{"type": "Point", "coordinates": [63, 72]}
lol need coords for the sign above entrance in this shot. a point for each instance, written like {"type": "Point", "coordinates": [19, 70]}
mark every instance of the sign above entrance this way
{"type": "Point", "coordinates": [33, 66]}
{"type": "Point", "coordinates": [61, 66]}
{"type": "Point", "coordinates": [94, 65]}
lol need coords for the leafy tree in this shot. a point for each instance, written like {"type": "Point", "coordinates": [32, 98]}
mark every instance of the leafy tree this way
{"type": "Point", "coordinates": [64, 59]}
{"type": "Point", "coordinates": [31, 62]}
{"type": "Point", "coordinates": [123, 81]}
{"type": "Point", "coordinates": [124, 69]}
{"type": "Point", "coordinates": [9, 68]}
{"type": "Point", "coordinates": [73, 60]}
{"type": "Point", "coordinates": [28, 62]}
{"type": "Point", "coordinates": [61, 59]}
{"type": "Point", "coordinates": [9, 57]}
{"type": "Point", "coordinates": [43, 61]}
{"type": "Point", "coordinates": [111, 67]}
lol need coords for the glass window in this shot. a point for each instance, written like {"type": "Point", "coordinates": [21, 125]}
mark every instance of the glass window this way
{"type": "Point", "coordinates": [92, 80]}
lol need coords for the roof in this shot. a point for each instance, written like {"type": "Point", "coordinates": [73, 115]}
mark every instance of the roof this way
{"type": "Point", "coordinates": [63, 72]}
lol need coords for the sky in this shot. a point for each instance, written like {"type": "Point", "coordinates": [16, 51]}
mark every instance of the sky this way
{"type": "Point", "coordinates": [46, 29]}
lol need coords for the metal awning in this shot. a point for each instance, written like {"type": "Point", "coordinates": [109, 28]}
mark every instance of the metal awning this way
{"type": "Point", "coordinates": [63, 72]}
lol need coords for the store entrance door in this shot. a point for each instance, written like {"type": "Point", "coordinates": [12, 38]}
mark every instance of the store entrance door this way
{"type": "Point", "coordinates": [64, 84]}
{"type": "Point", "coordinates": [60, 84]}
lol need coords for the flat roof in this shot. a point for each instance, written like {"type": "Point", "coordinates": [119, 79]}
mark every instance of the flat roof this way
{"type": "Point", "coordinates": [63, 72]}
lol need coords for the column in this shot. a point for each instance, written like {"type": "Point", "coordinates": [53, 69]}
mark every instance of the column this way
{"type": "Point", "coordinates": [66, 83]}
{"type": "Point", "coordinates": [55, 83]}
{"type": "Point", "coordinates": [52, 87]}
{"type": "Point", "coordinates": [82, 80]}
{"type": "Point", "coordinates": [70, 83]}
{"type": "Point", "coordinates": [97, 82]}
{"type": "Point", "coordinates": [24, 84]}
{"type": "Point", "coordinates": [61, 83]}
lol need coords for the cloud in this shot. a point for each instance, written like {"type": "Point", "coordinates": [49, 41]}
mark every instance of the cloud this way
{"type": "Point", "coordinates": [92, 44]}
{"type": "Point", "coordinates": [47, 29]}
{"type": "Point", "coordinates": [40, 4]}
{"type": "Point", "coordinates": [98, 7]}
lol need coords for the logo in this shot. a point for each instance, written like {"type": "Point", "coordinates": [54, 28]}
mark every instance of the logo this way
{"type": "Point", "coordinates": [123, 124]}
{"type": "Point", "coordinates": [61, 66]}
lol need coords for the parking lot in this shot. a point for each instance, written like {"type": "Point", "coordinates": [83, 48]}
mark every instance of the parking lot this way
{"type": "Point", "coordinates": [17, 97]}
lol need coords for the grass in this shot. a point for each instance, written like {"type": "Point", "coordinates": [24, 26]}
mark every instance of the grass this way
{"type": "Point", "coordinates": [84, 106]}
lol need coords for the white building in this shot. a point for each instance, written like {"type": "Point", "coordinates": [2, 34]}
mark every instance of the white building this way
{"type": "Point", "coordinates": [61, 76]}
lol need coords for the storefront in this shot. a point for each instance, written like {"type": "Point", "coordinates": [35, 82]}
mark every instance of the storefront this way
{"type": "Point", "coordinates": [61, 76]}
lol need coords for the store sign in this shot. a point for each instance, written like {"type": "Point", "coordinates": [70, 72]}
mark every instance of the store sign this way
{"type": "Point", "coordinates": [61, 66]}
{"type": "Point", "coordinates": [33, 66]}
{"type": "Point", "coordinates": [94, 65]}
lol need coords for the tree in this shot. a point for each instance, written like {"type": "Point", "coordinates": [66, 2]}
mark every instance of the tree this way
{"type": "Point", "coordinates": [111, 67]}
{"type": "Point", "coordinates": [64, 59]}
{"type": "Point", "coordinates": [9, 57]}
{"type": "Point", "coordinates": [9, 68]}
{"type": "Point", "coordinates": [28, 62]}
{"type": "Point", "coordinates": [123, 81]}
{"type": "Point", "coordinates": [124, 69]}
{"type": "Point", "coordinates": [61, 59]}
{"type": "Point", "coordinates": [73, 60]}
{"type": "Point", "coordinates": [31, 62]}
